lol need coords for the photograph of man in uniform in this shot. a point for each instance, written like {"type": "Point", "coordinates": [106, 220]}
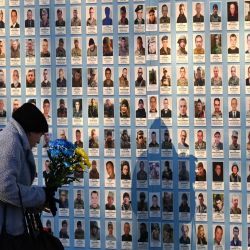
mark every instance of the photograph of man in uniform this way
{"type": "Point", "coordinates": [181, 17]}
{"type": "Point", "coordinates": [92, 49]}
{"type": "Point", "coordinates": [110, 201]}
{"type": "Point", "coordinates": [218, 171]}
{"type": "Point", "coordinates": [62, 110]}
{"type": "Point", "coordinates": [141, 140]}
{"type": "Point", "coordinates": [216, 44]}
{"type": "Point", "coordinates": [91, 21]}
{"type": "Point", "coordinates": [214, 17]}
{"type": "Point", "coordinates": [76, 51]}
{"type": "Point", "coordinates": [15, 48]}
{"type": "Point", "coordinates": [216, 79]}
{"type": "Point", "coordinates": [139, 15]}
{"type": "Point", "coordinates": [140, 50]}
{"type": "Point", "coordinates": [200, 144]}
{"type": "Point", "coordinates": [165, 50]}
{"type": "Point", "coordinates": [78, 202]}
{"type": "Point", "coordinates": [93, 139]}
{"type": "Point", "coordinates": [108, 82]}
{"type": "Point", "coordinates": [199, 109]}
{"type": "Point", "coordinates": [235, 205]}
{"type": "Point", "coordinates": [234, 145]}
{"type": "Point", "coordinates": [217, 112]}
{"type": "Point", "coordinates": [217, 144]}
{"type": "Point", "coordinates": [60, 21]}
{"type": "Point", "coordinates": [75, 20]}
{"type": "Point", "coordinates": [233, 80]}
{"type": "Point", "coordinates": [182, 41]}
{"type": "Point", "coordinates": [93, 173]}
{"type": "Point", "coordinates": [198, 17]}
{"type": "Point", "coordinates": [164, 18]}
{"type": "Point", "coordinates": [140, 82]}
{"type": "Point", "coordinates": [60, 51]}
{"type": "Point", "coordinates": [108, 109]}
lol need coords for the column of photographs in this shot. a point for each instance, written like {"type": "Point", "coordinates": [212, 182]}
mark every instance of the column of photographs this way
{"type": "Point", "coordinates": [149, 46]}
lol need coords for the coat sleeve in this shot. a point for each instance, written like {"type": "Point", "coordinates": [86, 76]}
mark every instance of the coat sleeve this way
{"type": "Point", "coordinates": [10, 168]}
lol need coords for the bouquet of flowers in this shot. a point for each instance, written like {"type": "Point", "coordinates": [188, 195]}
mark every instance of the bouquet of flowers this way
{"type": "Point", "coordinates": [65, 160]}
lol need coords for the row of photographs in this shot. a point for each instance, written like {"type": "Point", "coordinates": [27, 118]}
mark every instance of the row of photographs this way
{"type": "Point", "coordinates": [149, 16]}
{"type": "Point", "coordinates": [153, 234]}
{"type": "Point", "coordinates": [149, 47]}
{"type": "Point", "coordinates": [150, 78]}
{"type": "Point", "coordinates": [159, 173]}
{"type": "Point", "coordinates": [153, 205]}
{"type": "Point", "coordinates": [146, 107]}
{"type": "Point", "coordinates": [155, 141]}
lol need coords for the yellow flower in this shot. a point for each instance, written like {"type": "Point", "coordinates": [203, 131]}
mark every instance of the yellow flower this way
{"type": "Point", "coordinates": [80, 152]}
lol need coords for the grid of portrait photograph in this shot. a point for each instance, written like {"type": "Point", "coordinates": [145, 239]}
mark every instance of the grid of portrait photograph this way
{"type": "Point", "coordinates": [158, 93]}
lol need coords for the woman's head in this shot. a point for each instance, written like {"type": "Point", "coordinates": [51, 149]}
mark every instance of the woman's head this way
{"type": "Point", "coordinates": [32, 121]}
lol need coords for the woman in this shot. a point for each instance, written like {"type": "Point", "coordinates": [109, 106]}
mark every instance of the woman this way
{"type": "Point", "coordinates": [201, 239]}
{"type": "Point", "coordinates": [124, 109]}
{"type": "Point", "coordinates": [18, 170]}
{"type": "Point", "coordinates": [125, 171]}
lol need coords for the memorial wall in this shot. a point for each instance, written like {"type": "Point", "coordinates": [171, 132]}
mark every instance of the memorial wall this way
{"type": "Point", "coordinates": [158, 93]}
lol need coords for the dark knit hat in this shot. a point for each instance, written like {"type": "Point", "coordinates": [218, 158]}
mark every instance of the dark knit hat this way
{"type": "Point", "coordinates": [31, 118]}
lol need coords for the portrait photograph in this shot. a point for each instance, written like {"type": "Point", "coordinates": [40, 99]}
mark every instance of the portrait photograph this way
{"type": "Point", "coordinates": [165, 48]}
{"type": "Point", "coordinates": [164, 17]}
{"type": "Point", "coordinates": [153, 106]}
{"type": "Point", "coordinates": [123, 21]}
{"type": "Point", "coordinates": [181, 16]}
{"type": "Point", "coordinates": [198, 16]}
{"type": "Point", "coordinates": [91, 21]}
{"type": "Point", "coordinates": [216, 79]}
{"type": "Point", "coordinates": [152, 78]}
{"type": "Point", "coordinates": [185, 234]}
{"type": "Point", "coordinates": [75, 19]}
{"type": "Point", "coordinates": [184, 206]}
{"type": "Point", "coordinates": [60, 23]}
{"type": "Point", "coordinates": [14, 17]}
{"type": "Point", "coordinates": [152, 48]}
{"type": "Point", "coordinates": [151, 18]}
{"type": "Point", "coordinates": [140, 50]}
{"type": "Point", "coordinates": [2, 52]}
{"type": "Point", "coordinates": [199, 79]}
{"type": "Point", "coordinates": [139, 18]}
{"type": "Point", "coordinates": [92, 50]}
{"type": "Point", "coordinates": [107, 49]}
{"type": "Point", "coordinates": [182, 48]}
{"type": "Point", "coordinates": [29, 23]}
{"type": "Point", "coordinates": [140, 80]}
{"type": "Point", "coordinates": [107, 19]}
{"type": "Point", "coordinates": [123, 50]}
